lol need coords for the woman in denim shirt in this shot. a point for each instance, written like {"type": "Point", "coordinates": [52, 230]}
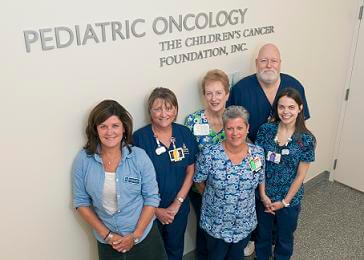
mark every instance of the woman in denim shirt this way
{"type": "Point", "coordinates": [115, 189]}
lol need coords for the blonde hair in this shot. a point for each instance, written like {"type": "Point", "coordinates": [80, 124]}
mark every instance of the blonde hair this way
{"type": "Point", "coordinates": [216, 75]}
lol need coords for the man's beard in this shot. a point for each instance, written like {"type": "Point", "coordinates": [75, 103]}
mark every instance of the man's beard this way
{"type": "Point", "coordinates": [268, 76]}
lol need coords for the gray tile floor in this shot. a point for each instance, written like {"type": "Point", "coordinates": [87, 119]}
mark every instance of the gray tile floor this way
{"type": "Point", "coordinates": [331, 223]}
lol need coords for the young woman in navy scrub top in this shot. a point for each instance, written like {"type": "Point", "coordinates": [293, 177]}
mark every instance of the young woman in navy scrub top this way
{"type": "Point", "coordinates": [289, 149]}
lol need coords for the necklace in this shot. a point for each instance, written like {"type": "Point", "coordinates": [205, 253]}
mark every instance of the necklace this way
{"type": "Point", "coordinates": [276, 140]}
{"type": "Point", "coordinates": [279, 142]}
{"type": "Point", "coordinates": [110, 160]}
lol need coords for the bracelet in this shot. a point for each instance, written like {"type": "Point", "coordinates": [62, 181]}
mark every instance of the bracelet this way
{"type": "Point", "coordinates": [108, 233]}
{"type": "Point", "coordinates": [108, 237]}
{"type": "Point", "coordinates": [180, 200]}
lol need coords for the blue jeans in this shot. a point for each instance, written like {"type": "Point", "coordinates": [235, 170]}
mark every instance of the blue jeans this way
{"type": "Point", "coordinates": [218, 249]}
{"type": "Point", "coordinates": [286, 224]}
{"type": "Point", "coordinates": [150, 248]}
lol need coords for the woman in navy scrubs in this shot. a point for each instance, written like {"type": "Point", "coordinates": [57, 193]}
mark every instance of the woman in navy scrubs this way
{"type": "Point", "coordinates": [289, 148]}
{"type": "Point", "coordinates": [172, 149]}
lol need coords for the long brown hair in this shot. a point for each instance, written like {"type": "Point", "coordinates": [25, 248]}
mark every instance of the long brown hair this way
{"type": "Point", "coordinates": [98, 115]}
{"type": "Point", "coordinates": [300, 126]}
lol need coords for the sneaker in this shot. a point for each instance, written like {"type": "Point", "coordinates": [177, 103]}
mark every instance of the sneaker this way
{"type": "Point", "coordinates": [249, 249]}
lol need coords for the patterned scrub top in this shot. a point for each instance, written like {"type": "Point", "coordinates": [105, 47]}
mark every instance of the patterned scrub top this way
{"type": "Point", "coordinates": [279, 177]}
{"type": "Point", "coordinates": [199, 117]}
{"type": "Point", "coordinates": [228, 203]}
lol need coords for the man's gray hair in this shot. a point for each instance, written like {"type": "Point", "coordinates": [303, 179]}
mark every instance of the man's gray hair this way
{"type": "Point", "coordinates": [233, 112]}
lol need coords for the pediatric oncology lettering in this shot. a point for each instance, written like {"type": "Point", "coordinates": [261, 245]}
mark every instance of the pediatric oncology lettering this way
{"type": "Point", "coordinates": [50, 38]}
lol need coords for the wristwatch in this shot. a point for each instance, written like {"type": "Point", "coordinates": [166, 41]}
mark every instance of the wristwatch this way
{"type": "Point", "coordinates": [285, 204]}
{"type": "Point", "coordinates": [135, 239]}
{"type": "Point", "coordinates": [180, 200]}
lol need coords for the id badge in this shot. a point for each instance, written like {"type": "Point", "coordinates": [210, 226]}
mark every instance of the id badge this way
{"type": "Point", "coordinates": [176, 155]}
{"type": "Point", "coordinates": [255, 164]}
{"type": "Point", "coordinates": [274, 157]}
{"type": "Point", "coordinates": [201, 129]}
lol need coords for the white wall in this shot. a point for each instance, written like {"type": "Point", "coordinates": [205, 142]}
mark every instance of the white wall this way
{"type": "Point", "coordinates": [46, 96]}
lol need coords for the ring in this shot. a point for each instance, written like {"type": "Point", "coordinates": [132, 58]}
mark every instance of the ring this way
{"type": "Point", "coordinates": [124, 251]}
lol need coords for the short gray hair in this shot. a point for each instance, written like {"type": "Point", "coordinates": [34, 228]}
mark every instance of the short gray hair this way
{"type": "Point", "coordinates": [233, 112]}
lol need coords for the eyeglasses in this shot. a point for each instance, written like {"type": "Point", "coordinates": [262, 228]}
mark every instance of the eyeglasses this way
{"type": "Point", "coordinates": [160, 109]}
{"type": "Point", "coordinates": [265, 61]}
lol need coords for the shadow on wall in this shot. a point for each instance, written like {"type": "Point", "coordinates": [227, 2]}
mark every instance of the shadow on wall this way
{"type": "Point", "coordinates": [93, 255]}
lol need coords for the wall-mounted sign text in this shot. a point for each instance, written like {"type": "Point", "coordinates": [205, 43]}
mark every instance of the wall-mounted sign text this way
{"type": "Point", "coordinates": [51, 38]}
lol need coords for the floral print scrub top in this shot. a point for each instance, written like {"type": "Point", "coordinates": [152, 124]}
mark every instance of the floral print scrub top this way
{"type": "Point", "coordinates": [279, 177]}
{"type": "Point", "coordinates": [228, 203]}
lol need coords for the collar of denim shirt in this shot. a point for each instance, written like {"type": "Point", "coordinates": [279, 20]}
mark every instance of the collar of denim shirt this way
{"type": "Point", "coordinates": [125, 153]}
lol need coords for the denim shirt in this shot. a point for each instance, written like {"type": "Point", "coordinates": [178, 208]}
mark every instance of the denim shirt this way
{"type": "Point", "coordinates": [136, 186]}
{"type": "Point", "coordinates": [228, 202]}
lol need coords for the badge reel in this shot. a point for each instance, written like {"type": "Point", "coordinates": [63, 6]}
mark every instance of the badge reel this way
{"type": "Point", "coordinates": [160, 149]}
{"type": "Point", "coordinates": [274, 157]}
{"type": "Point", "coordinates": [255, 164]}
{"type": "Point", "coordinates": [177, 154]}
{"type": "Point", "coordinates": [285, 151]}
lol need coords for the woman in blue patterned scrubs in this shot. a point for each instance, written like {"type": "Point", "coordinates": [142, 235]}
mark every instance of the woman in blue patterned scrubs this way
{"type": "Point", "coordinates": [206, 125]}
{"type": "Point", "coordinates": [289, 148]}
{"type": "Point", "coordinates": [231, 171]}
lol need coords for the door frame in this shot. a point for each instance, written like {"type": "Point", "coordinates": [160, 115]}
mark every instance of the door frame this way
{"type": "Point", "coordinates": [343, 103]}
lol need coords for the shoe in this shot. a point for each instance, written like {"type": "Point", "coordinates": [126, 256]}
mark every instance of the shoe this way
{"type": "Point", "coordinates": [249, 249]}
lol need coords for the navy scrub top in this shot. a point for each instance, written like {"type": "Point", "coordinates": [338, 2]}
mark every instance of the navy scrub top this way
{"type": "Point", "coordinates": [249, 94]}
{"type": "Point", "coordinates": [170, 175]}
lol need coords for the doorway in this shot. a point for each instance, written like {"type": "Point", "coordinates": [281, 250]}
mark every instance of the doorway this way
{"type": "Point", "coordinates": [348, 167]}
